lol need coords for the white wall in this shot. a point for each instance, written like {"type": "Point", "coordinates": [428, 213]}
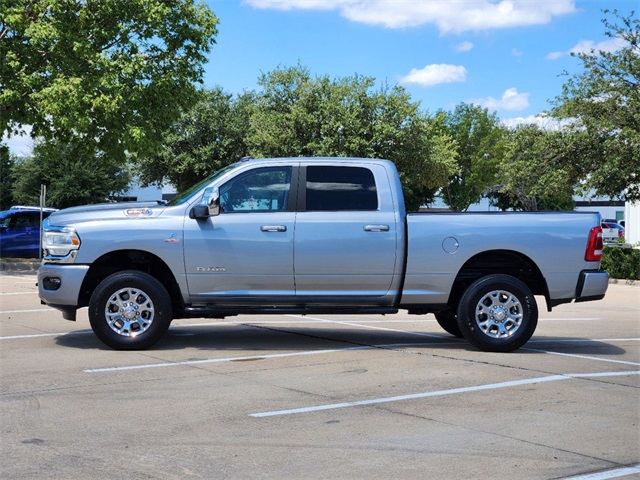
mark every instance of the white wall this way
{"type": "Point", "coordinates": [605, 212]}
{"type": "Point", "coordinates": [632, 223]}
{"type": "Point", "coordinates": [144, 194]}
{"type": "Point", "coordinates": [148, 193]}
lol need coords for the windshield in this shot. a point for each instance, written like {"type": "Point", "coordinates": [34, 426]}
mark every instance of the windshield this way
{"type": "Point", "coordinates": [184, 196]}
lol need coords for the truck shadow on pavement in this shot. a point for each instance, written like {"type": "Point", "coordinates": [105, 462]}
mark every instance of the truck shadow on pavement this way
{"type": "Point", "coordinates": [249, 338]}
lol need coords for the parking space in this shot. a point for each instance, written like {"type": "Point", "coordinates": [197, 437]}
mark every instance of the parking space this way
{"type": "Point", "coordinates": [328, 396]}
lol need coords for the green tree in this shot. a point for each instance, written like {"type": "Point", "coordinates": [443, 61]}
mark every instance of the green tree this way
{"type": "Point", "coordinates": [73, 175]}
{"type": "Point", "coordinates": [604, 101]}
{"type": "Point", "coordinates": [479, 141]}
{"type": "Point", "coordinates": [298, 115]}
{"type": "Point", "coordinates": [108, 72]}
{"type": "Point", "coordinates": [206, 138]}
{"type": "Point", "coordinates": [6, 177]}
{"type": "Point", "coordinates": [537, 172]}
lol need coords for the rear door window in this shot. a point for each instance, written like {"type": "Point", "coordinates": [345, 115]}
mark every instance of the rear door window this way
{"type": "Point", "coordinates": [332, 188]}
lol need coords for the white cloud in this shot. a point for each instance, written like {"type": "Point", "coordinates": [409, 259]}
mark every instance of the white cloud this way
{"type": "Point", "coordinates": [586, 46]}
{"type": "Point", "coordinates": [435, 74]}
{"type": "Point", "coordinates": [20, 145]}
{"type": "Point", "coordinates": [610, 45]}
{"type": "Point", "coordinates": [464, 47]}
{"type": "Point", "coordinates": [510, 100]}
{"type": "Point", "coordinates": [453, 16]}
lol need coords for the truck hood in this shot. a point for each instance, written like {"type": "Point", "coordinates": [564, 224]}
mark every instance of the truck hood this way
{"type": "Point", "coordinates": [106, 211]}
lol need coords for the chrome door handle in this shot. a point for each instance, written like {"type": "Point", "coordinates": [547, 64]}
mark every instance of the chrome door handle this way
{"type": "Point", "coordinates": [376, 228]}
{"type": "Point", "coordinates": [273, 228]}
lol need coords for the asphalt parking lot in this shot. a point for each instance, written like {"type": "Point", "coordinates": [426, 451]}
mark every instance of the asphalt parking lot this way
{"type": "Point", "coordinates": [320, 397]}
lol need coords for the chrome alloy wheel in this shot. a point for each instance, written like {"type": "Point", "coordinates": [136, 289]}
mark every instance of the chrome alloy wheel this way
{"type": "Point", "coordinates": [129, 312]}
{"type": "Point", "coordinates": [499, 314]}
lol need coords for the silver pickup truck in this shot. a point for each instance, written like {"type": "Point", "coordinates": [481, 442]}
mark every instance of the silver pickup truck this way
{"type": "Point", "coordinates": [313, 235]}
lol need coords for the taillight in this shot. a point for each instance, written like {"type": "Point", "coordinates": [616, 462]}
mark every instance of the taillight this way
{"type": "Point", "coordinates": [594, 245]}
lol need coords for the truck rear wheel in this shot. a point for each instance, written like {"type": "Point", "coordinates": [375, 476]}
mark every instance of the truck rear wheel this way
{"type": "Point", "coordinates": [130, 310]}
{"type": "Point", "coordinates": [497, 313]}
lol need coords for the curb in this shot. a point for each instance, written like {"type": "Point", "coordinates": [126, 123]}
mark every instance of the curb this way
{"type": "Point", "coordinates": [616, 281]}
{"type": "Point", "coordinates": [19, 266]}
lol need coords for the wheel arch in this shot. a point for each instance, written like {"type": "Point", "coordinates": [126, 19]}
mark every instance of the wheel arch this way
{"type": "Point", "coordinates": [139, 260]}
{"type": "Point", "coordinates": [506, 262]}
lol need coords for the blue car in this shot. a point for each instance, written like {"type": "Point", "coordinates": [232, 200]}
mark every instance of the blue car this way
{"type": "Point", "coordinates": [20, 231]}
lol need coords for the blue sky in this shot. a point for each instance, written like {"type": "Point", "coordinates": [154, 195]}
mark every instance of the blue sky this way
{"type": "Point", "coordinates": [503, 55]}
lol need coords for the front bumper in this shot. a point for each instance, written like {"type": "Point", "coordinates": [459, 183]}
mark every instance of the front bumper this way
{"type": "Point", "coordinates": [59, 287]}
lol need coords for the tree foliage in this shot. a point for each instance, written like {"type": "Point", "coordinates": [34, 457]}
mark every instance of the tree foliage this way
{"type": "Point", "coordinates": [479, 140]}
{"type": "Point", "coordinates": [298, 115]}
{"type": "Point", "coordinates": [538, 171]}
{"type": "Point", "coordinates": [621, 262]}
{"type": "Point", "coordinates": [604, 101]}
{"type": "Point", "coordinates": [74, 175]}
{"type": "Point", "coordinates": [206, 138]}
{"type": "Point", "coordinates": [108, 72]}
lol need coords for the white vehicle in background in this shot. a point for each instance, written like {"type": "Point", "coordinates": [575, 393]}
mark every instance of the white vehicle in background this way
{"type": "Point", "coordinates": [612, 232]}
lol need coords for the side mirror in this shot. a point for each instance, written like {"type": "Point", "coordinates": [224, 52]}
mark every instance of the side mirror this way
{"type": "Point", "coordinates": [209, 209]}
{"type": "Point", "coordinates": [199, 212]}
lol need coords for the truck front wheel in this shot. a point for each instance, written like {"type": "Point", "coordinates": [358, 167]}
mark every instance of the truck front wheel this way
{"type": "Point", "coordinates": [130, 310]}
{"type": "Point", "coordinates": [497, 313]}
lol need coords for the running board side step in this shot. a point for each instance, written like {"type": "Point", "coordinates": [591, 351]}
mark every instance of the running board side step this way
{"type": "Point", "coordinates": [219, 311]}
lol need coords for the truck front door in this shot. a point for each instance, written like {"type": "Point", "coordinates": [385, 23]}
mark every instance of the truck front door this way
{"type": "Point", "coordinates": [244, 254]}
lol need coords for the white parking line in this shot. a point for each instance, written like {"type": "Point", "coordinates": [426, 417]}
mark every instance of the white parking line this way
{"type": "Point", "coordinates": [252, 357]}
{"type": "Point", "coordinates": [18, 277]}
{"type": "Point", "coordinates": [570, 319]}
{"type": "Point", "coordinates": [18, 293]}
{"type": "Point", "coordinates": [453, 391]}
{"type": "Point", "coordinates": [615, 473]}
{"type": "Point", "coordinates": [586, 357]}
{"type": "Point", "coordinates": [39, 335]}
{"type": "Point", "coordinates": [27, 311]}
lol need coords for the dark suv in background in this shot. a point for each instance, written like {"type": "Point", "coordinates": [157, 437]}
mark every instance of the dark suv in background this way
{"type": "Point", "coordinates": [20, 231]}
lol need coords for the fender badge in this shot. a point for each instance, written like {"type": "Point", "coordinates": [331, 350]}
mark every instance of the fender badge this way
{"type": "Point", "coordinates": [172, 239]}
{"type": "Point", "coordinates": [138, 212]}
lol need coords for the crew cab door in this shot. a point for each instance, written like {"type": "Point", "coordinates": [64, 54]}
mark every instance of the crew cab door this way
{"type": "Point", "coordinates": [346, 235]}
{"type": "Point", "coordinates": [244, 254]}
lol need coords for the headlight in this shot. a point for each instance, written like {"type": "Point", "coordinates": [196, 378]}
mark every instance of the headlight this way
{"type": "Point", "coordinates": [59, 241]}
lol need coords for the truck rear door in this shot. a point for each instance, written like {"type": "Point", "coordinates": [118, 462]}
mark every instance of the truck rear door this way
{"type": "Point", "coordinates": [345, 240]}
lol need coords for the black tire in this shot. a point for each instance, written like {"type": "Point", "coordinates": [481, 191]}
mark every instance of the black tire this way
{"type": "Point", "coordinates": [130, 310]}
{"type": "Point", "coordinates": [497, 313]}
{"type": "Point", "coordinates": [449, 323]}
